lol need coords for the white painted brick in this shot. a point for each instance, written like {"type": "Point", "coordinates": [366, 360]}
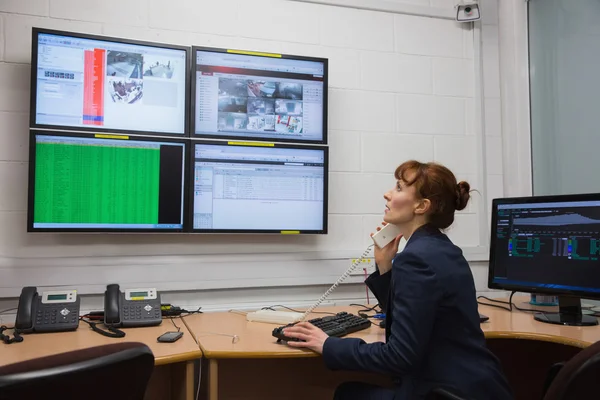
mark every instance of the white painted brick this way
{"type": "Point", "coordinates": [416, 2]}
{"type": "Point", "coordinates": [491, 70]}
{"type": "Point", "coordinates": [344, 151]}
{"type": "Point", "coordinates": [384, 152]}
{"type": "Point", "coordinates": [33, 7]}
{"type": "Point", "coordinates": [493, 117]}
{"type": "Point", "coordinates": [217, 17]}
{"type": "Point", "coordinates": [14, 139]}
{"type": "Point", "coordinates": [489, 12]}
{"type": "Point", "coordinates": [18, 33]}
{"type": "Point", "coordinates": [464, 231]}
{"type": "Point", "coordinates": [447, 4]}
{"type": "Point", "coordinates": [457, 153]}
{"type": "Point", "coordinates": [130, 12]}
{"type": "Point", "coordinates": [344, 233]}
{"type": "Point", "coordinates": [494, 155]}
{"type": "Point", "coordinates": [489, 34]}
{"type": "Point", "coordinates": [359, 29]}
{"type": "Point", "coordinates": [472, 123]}
{"type": "Point", "coordinates": [453, 77]}
{"type": "Point", "coordinates": [390, 72]}
{"type": "Point", "coordinates": [431, 114]}
{"type": "Point", "coordinates": [14, 81]}
{"type": "Point", "coordinates": [428, 36]}
{"type": "Point", "coordinates": [343, 62]}
{"type": "Point", "coordinates": [495, 188]}
{"type": "Point", "coordinates": [251, 44]}
{"type": "Point", "coordinates": [168, 36]}
{"type": "Point", "coordinates": [13, 181]}
{"type": "Point", "coordinates": [354, 193]}
{"type": "Point", "coordinates": [361, 111]}
{"type": "Point", "coordinates": [288, 21]}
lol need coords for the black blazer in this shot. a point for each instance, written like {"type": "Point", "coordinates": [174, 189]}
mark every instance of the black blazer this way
{"type": "Point", "coordinates": [433, 336]}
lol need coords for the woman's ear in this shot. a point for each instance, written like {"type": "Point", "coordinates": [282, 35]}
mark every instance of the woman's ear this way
{"type": "Point", "coordinates": [423, 206]}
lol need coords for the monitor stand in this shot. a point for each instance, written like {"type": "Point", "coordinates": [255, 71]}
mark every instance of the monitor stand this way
{"type": "Point", "coordinates": [569, 313]}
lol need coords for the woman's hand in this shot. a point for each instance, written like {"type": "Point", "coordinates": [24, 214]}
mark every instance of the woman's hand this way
{"type": "Point", "coordinates": [384, 256]}
{"type": "Point", "coordinates": [313, 337]}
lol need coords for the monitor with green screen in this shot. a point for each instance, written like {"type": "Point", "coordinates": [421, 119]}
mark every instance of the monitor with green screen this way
{"type": "Point", "coordinates": [105, 183]}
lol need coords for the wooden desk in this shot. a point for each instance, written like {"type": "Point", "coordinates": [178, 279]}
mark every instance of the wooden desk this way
{"type": "Point", "coordinates": [522, 325]}
{"type": "Point", "coordinates": [262, 368]}
{"type": "Point", "coordinates": [172, 378]}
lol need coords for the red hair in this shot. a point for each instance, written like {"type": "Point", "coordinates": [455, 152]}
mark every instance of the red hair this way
{"type": "Point", "coordinates": [438, 184]}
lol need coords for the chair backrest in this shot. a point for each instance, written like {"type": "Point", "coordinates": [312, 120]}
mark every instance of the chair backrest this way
{"type": "Point", "coordinates": [115, 371]}
{"type": "Point", "coordinates": [578, 378]}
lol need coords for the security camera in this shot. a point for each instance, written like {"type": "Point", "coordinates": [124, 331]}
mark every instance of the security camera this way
{"type": "Point", "coordinates": [467, 11]}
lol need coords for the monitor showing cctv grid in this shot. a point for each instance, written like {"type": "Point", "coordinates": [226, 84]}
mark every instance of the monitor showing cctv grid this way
{"type": "Point", "coordinates": [268, 188]}
{"type": "Point", "coordinates": [95, 83]}
{"type": "Point", "coordinates": [259, 96]}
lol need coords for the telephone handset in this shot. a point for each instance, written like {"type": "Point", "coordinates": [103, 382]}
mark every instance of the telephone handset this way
{"type": "Point", "coordinates": [53, 311]}
{"type": "Point", "coordinates": [135, 307]}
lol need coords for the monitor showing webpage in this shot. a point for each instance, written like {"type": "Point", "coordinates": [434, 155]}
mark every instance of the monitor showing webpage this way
{"type": "Point", "coordinates": [88, 183]}
{"type": "Point", "coordinates": [100, 84]}
{"type": "Point", "coordinates": [256, 97]}
{"type": "Point", "coordinates": [259, 189]}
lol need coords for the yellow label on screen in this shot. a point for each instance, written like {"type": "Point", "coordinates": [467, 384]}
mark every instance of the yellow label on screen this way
{"type": "Point", "coordinates": [290, 232]}
{"type": "Point", "coordinates": [251, 144]}
{"type": "Point", "coordinates": [138, 298]}
{"type": "Point", "coordinates": [124, 137]}
{"type": "Point", "coordinates": [254, 53]}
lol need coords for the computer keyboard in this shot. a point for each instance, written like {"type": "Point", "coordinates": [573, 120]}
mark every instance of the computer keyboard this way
{"type": "Point", "coordinates": [340, 324]}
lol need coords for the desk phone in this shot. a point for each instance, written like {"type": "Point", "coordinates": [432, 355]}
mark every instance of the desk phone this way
{"type": "Point", "coordinates": [53, 311]}
{"type": "Point", "coordinates": [133, 308]}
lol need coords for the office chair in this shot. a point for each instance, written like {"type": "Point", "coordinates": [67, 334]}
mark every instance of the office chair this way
{"type": "Point", "coordinates": [117, 371]}
{"type": "Point", "coordinates": [577, 378]}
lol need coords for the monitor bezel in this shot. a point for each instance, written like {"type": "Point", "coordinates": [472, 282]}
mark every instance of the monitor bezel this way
{"type": "Point", "coordinates": [493, 243]}
{"type": "Point", "coordinates": [230, 135]}
{"type": "Point", "coordinates": [31, 182]}
{"type": "Point", "coordinates": [33, 94]}
{"type": "Point", "coordinates": [325, 149]}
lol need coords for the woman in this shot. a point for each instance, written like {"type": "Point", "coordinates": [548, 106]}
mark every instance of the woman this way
{"type": "Point", "coordinates": [433, 336]}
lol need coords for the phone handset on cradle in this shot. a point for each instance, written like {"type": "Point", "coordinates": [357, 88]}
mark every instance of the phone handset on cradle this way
{"type": "Point", "coordinates": [53, 311]}
{"type": "Point", "coordinates": [381, 238]}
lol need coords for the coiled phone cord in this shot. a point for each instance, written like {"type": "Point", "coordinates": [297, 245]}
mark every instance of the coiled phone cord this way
{"type": "Point", "coordinates": [338, 282]}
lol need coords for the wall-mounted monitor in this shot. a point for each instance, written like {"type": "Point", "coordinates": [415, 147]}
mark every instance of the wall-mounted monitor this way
{"type": "Point", "coordinates": [259, 188]}
{"type": "Point", "coordinates": [259, 96]}
{"type": "Point", "coordinates": [94, 83]}
{"type": "Point", "coordinates": [106, 183]}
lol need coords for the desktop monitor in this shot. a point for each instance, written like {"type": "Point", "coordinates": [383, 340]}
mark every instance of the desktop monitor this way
{"type": "Point", "coordinates": [259, 188]}
{"type": "Point", "coordinates": [106, 183]}
{"type": "Point", "coordinates": [259, 96]}
{"type": "Point", "coordinates": [95, 83]}
{"type": "Point", "coordinates": [549, 245]}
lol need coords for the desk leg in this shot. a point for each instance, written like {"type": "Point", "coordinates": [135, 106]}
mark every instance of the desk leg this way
{"type": "Point", "coordinates": [213, 379]}
{"type": "Point", "coordinates": [182, 381]}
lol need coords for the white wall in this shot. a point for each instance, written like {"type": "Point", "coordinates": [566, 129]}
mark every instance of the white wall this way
{"type": "Point", "coordinates": [401, 86]}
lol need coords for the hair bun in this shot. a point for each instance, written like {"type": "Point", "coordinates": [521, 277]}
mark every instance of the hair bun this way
{"type": "Point", "coordinates": [462, 195]}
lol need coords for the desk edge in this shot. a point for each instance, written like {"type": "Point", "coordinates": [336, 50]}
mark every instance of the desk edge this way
{"type": "Point", "coordinates": [536, 336]}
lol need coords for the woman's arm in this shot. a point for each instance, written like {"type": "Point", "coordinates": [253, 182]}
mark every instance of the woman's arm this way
{"type": "Point", "coordinates": [379, 284]}
{"type": "Point", "coordinates": [416, 296]}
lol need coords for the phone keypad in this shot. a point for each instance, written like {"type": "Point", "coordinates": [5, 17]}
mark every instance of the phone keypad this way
{"type": "Point", "coordinates": [136, 312]}
{"type": "Point", "coordinates": [56, 315]}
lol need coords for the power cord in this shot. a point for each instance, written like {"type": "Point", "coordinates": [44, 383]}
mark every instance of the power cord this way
{"type": "Point", "coordinates": [509, 302]}
{"type": "Point", "coordinates": [17, 338]}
